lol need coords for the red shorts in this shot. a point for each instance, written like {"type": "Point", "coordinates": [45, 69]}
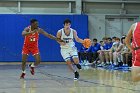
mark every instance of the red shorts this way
{"type": "Point", "coordinates": [33, 50]}
{"type": "Point", "coordinates": [136, 58]}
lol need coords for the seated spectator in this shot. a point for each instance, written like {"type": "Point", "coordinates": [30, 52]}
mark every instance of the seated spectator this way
{"type": "Point", "coordinates": [93, 51]}
{"type": "Point", "coordinates": [125, 53]}
{"type": "Point", "coordinates": [98, 61]}
{"type": "Point", "coordinates": [113, 39]}
{"type": "Point", "coordinates": [110, 53]}
{"type": "Point", "coordinates": [82, 54]}
{"type": "Point", "coordinates": [107, 53]}
{"type": "Point", "coordinates": [104, 53]}
{"type": "Point", "coordinates": [114, 51]}
{"type": "Point", "coordinates": [101, 45]}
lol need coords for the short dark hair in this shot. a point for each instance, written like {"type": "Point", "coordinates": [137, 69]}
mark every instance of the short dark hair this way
{"type": "Point", "coordinates": [33, 20]}
{"type": "Point", "coordinates": [113, 37]}
{"type": "Point", "coordinates": [94, 39]}
{"type": "Point", "coordinates": [101, 41]}
{"type": "Point", "coordinates": [67, 21]}
{"type": "Point", "coordinates": [122, 39]}
{"type": "Point", "coordinates": [109, 38]}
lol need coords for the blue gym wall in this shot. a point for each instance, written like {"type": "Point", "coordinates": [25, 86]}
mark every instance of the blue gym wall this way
{"type": "Point", "coordinates": [12, 26]}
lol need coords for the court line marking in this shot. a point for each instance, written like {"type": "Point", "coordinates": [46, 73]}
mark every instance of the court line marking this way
{"type": "Point", "coordinates": [92, 82]}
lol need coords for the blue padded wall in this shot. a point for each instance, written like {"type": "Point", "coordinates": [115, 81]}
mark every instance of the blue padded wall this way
{"type": "Point", "coordinates": [12, 26]}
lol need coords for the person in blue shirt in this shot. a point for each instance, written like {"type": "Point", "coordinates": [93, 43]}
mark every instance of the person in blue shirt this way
{"type": "Point", "coordinates": [82, 54]}
{"type": "Point", "coordinates": [92, 52]}
{"type": "Point", "coordinates": [104, 53]}
{"type": "Point", "coordinates": [109, 43]}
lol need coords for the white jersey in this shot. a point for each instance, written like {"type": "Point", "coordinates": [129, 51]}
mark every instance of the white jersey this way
{"type": "Point", "coordinates": [67, 38]}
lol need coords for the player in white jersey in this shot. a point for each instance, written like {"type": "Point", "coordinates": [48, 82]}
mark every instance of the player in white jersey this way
{"type": "Point", "coordinates": [68, 49]}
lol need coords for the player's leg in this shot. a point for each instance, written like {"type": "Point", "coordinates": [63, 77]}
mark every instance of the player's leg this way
{"type": "Point", "coordinates": [37, 59]}
{"type": "Point", "coordinates": [76, 62]}
{"type": "Point", "coordinates": [135, 74]}
{"type": "Point", "coordinates": [24, 60]}
{"type": "Point", "coordinates": [75, 58]}
{"type": "Point", "coordinates": [66, 56]}
{"type": "Point", "coordinates": [36, 55]}
{"type": "Point", "coordinates": [33, 65]}
{"type": "Point", "coordinates": [136, 66]}
{"type": "Point", "coordinates": [70, 65]}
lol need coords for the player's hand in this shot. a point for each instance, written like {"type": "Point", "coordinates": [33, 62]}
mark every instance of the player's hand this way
{"type": "Point", "coordinates": [62, 43]}
{"type": "Point", "coordinates": [59, 40]}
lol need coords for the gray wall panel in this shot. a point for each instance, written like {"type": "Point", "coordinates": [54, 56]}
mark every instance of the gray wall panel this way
{"type": "Point", "coordinates": [96, 26]}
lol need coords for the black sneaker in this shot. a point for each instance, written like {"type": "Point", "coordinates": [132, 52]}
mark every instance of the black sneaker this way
{"type": "Point", "coordinates": [79, 66]}
{"type": "Point", "coordinates": [76, 75]}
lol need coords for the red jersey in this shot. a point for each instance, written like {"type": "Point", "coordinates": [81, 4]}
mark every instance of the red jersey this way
{"type": "Point", "coordinates": [136, 43]}
{"type": "Point", "coordinates": [136, 36]}
{"type": "Point", "coordinates": [31, 39]}
{"type": "Point", "coordinates": [31, 43]}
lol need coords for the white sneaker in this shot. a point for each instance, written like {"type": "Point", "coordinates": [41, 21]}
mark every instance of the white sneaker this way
{"type": "Point", "coordinates": [87, 63]}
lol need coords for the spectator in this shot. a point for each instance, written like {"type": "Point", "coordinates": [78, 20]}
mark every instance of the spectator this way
{"type": "Point", "coordinates": [93, 51]}
{"type": "Point", "coordinates": [114, 51]}
{"type": "Point", "coordinates": [104, 54]}
{"type": "Point", "coordinates": [113, 39]}
{"type": "Point", "coordinates": [125, 53]}
{"type": "Point", "coordinates": [83, 55]}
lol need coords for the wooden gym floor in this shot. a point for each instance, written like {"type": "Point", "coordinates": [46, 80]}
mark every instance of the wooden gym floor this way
{"type": "Point", "coordinates": [56, 78]}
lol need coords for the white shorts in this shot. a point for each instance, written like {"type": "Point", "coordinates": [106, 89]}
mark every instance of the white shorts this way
{"type": "Point", "coordinates": [68, 53]}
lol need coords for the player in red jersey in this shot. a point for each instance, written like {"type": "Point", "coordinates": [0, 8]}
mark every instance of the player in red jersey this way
{"type": "Point", "coordinates": [134, 34]}
{"type": "Point", "coordinates": [31, 35]}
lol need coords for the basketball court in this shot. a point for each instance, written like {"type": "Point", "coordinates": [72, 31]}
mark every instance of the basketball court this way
{"type": "Point", "coordinates": [56, 78]}
{"type": "Point", "coordinates": [91, 19]}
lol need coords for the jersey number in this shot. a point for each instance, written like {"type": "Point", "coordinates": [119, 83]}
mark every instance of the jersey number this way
{"type": "Point", "coordinates": [32, 39]}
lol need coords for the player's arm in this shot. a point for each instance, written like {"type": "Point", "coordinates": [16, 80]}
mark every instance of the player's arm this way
{"type": "Point", "coordinates": [59, 36]}
{"type": "Point", "coordinates": [129, 37]}
{"type": "Point", "coordinates": [49, 35]}
{"type": "Point", "coordinates": [27, 32]}
{"type": "Point", "coordinates": [77, 38]}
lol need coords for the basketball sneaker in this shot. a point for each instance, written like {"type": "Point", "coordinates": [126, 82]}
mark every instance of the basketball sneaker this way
{"type": "Point", "coordinates": [76, 75]}
{"type": "Point", "coordinates": [32, 69]}
{"type": "Point", "coordinates": [22, 76]}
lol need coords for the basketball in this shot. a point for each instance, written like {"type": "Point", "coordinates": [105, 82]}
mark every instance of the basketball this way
{"type": "Point", "coordinates": [87, 43]}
